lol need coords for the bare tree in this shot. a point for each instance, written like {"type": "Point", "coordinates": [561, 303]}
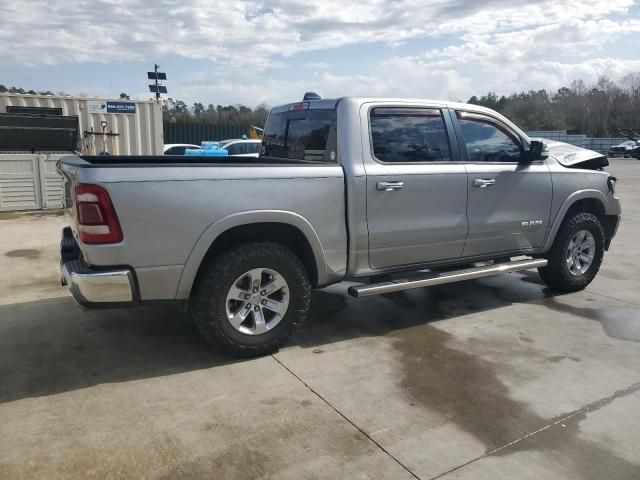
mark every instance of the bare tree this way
{"type": "Point", "coordinates": [597, 110]}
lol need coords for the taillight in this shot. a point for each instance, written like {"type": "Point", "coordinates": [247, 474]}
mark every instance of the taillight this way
{"type": "Point", "coordinates": [97, 219]}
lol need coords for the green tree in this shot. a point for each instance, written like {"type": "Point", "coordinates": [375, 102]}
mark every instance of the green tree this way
{"type": "Point", "coordinates": [198, 109]}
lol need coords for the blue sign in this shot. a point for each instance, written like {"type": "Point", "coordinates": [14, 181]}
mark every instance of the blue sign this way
{"type": "Point", "coordinates": [121, 107]}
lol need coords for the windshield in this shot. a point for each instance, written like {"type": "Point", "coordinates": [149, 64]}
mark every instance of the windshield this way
{"type": "Point", "coordinates": [307, 135]}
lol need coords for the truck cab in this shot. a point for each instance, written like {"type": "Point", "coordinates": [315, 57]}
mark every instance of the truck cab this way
{"type": "Point", "coordinates": [446, 182]}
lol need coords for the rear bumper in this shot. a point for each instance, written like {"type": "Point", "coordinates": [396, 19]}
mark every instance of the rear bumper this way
{"type": "Point", "coordinates": [94, 287]}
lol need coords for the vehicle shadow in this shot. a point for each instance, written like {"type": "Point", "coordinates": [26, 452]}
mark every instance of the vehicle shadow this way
{"type": "Point", "coordinates": [336, 316]}
{"type": "Point", "coordinates": [52, 346]}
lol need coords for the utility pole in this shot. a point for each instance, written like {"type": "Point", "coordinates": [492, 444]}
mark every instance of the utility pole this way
{"type": "Point", "coordinates": [156, 76]}
{"type": "Point", "coordinates": [155, 70]}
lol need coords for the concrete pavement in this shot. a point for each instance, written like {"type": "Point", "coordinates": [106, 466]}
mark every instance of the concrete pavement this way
{"type": "Point", "coordinates": [496, 378]}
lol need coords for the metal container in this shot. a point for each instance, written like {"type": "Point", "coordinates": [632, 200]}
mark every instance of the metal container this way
{"type": "Point", "coordinates": [137, 125]}
{"type": "Point", "coordinates": [38, 133]}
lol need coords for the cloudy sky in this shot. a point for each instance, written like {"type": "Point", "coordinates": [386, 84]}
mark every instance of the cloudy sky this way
{"type": "Point", "coordinates": [224, 51]}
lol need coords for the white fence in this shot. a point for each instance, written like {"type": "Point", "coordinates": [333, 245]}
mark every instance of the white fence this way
{"type": "Point", "coordinates": [30, 181]}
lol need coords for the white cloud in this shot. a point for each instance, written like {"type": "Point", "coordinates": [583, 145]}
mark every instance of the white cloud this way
{"type": "Point", "coordinates": [104, 30]}
{"type": "Point", "coordinates": [539, 57]}
{"type": "Point", "coordinates": [501, 45]}
{"type": "Point", "coordinates": [408, 80]}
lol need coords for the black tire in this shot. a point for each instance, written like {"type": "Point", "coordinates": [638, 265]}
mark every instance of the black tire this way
{"type": "Point", "coordinates": [208, 301]}
{"type": "Point", "coordinates": [557, 274]}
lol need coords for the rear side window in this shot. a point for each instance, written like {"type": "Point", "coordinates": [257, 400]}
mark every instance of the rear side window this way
{"type": "Point", "coordinates": [401, 135]}
{"type": "Point", "coordinates": [307, 135]}
{"type": "Point", "coordinates": [253, 147]}
{"type": "Point", "coordinates": [237, 149]}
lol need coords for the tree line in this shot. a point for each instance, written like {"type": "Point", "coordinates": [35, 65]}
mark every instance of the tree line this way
{"type": "Point", "coordinates": [177, 111]}
{"type": "Point", "coordinates": [5, 89]}
{"type": "Point", "coordinates": [597, 110]}
{"type": "Point", "coordinates": [600, 109]}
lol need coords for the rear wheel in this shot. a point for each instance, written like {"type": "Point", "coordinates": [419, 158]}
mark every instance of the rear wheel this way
{"type": "Point", "coordinates": [250, 298]}
{"type": "Point", "coordinates": [576, 254]}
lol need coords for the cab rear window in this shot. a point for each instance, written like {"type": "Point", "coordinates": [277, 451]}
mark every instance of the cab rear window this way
{"type": "Point", "coordinates": [307, 135]}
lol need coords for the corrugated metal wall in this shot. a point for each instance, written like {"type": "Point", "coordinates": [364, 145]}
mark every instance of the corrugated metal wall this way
{"type": "Point", "coordinates": [30, 181]}
{"type": "Point", "coordinates": [139, 133]}
{"type": "Point", "coordinates": [195, 133]}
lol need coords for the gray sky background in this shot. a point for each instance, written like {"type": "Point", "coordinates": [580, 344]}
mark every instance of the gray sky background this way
{"type": "Point", "coordinates": [225, 52]}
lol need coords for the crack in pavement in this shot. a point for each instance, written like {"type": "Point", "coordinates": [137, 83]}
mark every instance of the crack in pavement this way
{"type": "Point", "coordinates": [347, 419]}
{"type": "Point", "coordinates": [589, 408]}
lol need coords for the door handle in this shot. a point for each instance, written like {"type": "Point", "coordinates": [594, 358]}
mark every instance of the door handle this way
{"type": "Point", "coordinates": [389, 186]}
{"type": "Point", "coordinates": [484, 182]}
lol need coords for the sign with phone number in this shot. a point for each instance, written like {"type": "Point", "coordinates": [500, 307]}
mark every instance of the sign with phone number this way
{"type": "Point", "coordinates": [94, 106]}
{"type": "Point", "coordinates": [121, 107]}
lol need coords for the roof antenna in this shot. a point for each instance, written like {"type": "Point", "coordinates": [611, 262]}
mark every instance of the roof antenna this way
{"type": "Point", "coordinates": [311, 96]}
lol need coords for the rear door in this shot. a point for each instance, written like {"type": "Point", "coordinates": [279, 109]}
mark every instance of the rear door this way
{"type": "Point", "coordinates": [509, 199]}
{"type": "Point", "coordinates": [416, 186]}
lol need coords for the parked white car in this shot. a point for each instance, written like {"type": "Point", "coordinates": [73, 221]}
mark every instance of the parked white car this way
{"type": "Point", "coordinates": [240, 147]}
{"type": "Point", "coordinates": [178, 148]}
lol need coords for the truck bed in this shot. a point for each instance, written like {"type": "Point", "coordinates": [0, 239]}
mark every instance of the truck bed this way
{"type": "Point", "coordinates": [172, 208]}
{"type": "Point", "coordinates": [121, 160]}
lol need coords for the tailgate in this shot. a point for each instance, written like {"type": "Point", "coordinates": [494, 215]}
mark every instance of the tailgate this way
{"type": "Point", "coordinates": [68, 167]}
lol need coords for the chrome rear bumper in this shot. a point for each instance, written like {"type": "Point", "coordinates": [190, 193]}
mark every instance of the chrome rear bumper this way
{"type": "Point", "coordinates": [93, 287]}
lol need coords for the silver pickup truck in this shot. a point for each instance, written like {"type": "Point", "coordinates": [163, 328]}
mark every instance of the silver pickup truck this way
{"type": "Point", "coordinates": [389, 194]}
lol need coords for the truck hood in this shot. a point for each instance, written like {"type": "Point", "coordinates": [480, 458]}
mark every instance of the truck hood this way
{"type": "Point", "coordinates": [571, 156]}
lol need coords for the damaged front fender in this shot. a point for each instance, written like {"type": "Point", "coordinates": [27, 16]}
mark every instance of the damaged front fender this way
{"type": "Point", "coordinates": [571, 156]}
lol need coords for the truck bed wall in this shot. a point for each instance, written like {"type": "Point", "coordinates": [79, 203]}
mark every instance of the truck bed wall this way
{"type": "Point", "coordinates": [171, 215]}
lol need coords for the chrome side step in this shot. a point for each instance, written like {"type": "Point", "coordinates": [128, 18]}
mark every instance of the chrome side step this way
{"type": "Point", "coordinates": [439, 278]}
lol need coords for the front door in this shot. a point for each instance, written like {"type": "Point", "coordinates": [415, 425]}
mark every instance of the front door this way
{"type": "Point", "coordinates": [509, 199]}
{"type": "Point", "coordinates": [416, 187]}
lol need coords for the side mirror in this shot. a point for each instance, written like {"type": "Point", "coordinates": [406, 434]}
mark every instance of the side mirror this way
{"type": "Point", "coordinates": [537, 151]}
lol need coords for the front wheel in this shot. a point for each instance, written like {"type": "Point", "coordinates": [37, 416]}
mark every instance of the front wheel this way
{"type": "Point", "coordinates": [250, 298]}
{"type": "Point", "coordinates": [576, 254]}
